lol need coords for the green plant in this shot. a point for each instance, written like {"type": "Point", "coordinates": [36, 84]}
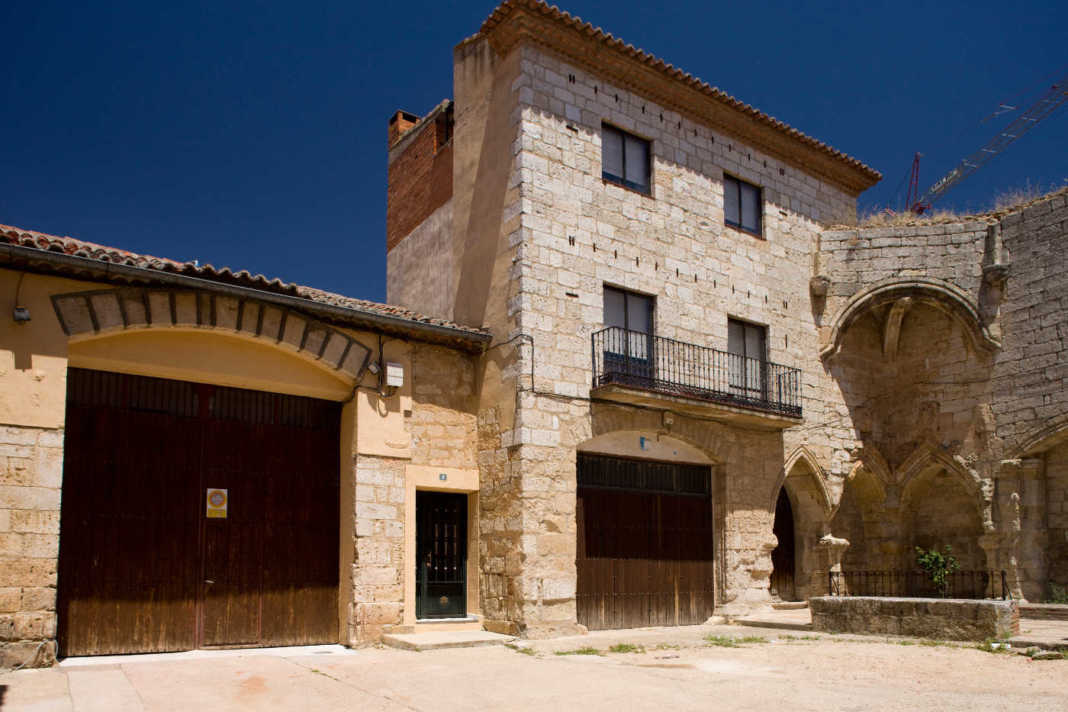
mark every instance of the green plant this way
{"type": "Point", "coordinates": [993, 645]}
{"type": "Point", "coordinates": [521, 649]}
{"type": "Point", "coordinates": [579, 651]}
{"type": "Point", "coordinates": [626, 648]}
{"type": "Point", "coordinates": [1057, 594]}
{"type": "Point", "coordinates": [938, 565]}
{"type": "Point", "coordinates": [722, 641]}
{"type": "Point", "coordinates": [727, 641]}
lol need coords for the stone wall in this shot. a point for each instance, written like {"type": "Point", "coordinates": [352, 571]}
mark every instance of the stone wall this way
{"type": "Point", "coordinates": [31, 470]}
{"type": "Point", "coordinates": [933, 618]}
{"type": "Point", "coordinates": [378, 568]}
{"type": "Point", "coordinates": [580, 233]}
{"type": "Point", "coordinates": [1057, 513]}
{"type": "Point", "coordinates": [1031, 374]}
{"type": "Point", "coordinates": [917, 382]}
{"type": "Point", "coordinates": [442, 425]}
{"type": "Point", "coordinates": [948, 342]}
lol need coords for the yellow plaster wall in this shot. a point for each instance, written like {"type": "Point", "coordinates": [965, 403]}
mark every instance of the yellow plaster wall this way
{"type": "Point", "coordinates": [201, 356]}
{"type": "Point", "coordinates": [381, 428]}
{"type": "Point", "coordinates": [33, 356]}
{"type": "Point", "coordinates": [431, 423]}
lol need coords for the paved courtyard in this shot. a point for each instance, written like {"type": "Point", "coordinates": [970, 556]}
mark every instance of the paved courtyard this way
{"type": "Point", "coordinates": [675, 668]}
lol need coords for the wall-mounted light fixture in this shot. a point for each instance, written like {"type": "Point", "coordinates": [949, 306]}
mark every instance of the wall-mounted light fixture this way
{"type": "Point", "coordinates": [21, 314]}
{"type": "Point", "coordinates": [394, 375]}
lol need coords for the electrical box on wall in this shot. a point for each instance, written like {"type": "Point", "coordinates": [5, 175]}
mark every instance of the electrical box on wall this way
{"type": "Point", "coordinates": [394, 375]}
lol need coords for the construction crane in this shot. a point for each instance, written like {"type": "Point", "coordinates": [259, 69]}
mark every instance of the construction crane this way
{"type": "Point", "coordinates": [1051, 100]}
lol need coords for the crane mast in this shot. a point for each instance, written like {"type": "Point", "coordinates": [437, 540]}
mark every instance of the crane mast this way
{"type": "Point", "coordinates": [1052, 99]}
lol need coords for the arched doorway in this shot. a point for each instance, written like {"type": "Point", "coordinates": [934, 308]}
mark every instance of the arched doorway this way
{"type": "Point", "coordinates": [782, 557]}
{"type": "Point", "coordinates": [645, 535]}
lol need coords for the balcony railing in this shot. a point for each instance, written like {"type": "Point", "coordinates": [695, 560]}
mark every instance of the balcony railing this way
{"type": "Point", "coordinates": [640, 360]}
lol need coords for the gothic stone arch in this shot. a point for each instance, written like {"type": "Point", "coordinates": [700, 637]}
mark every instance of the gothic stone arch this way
{"type": "Point", "coordinates": [894, 298]}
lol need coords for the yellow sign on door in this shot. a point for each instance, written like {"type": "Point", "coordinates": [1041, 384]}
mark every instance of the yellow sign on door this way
{"type": "Point", "coordinates": [217, 501]}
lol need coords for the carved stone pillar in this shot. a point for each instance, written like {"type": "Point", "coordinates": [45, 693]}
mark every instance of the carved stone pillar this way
{"type": "Point", "coordinates": [1031, 550]}
{"type": "Point", "coordinates": [993, 545]}
{"type": "Point", "coordinates": [1023, 545]}
{"type": "Point", "coordinates": [831, 549]}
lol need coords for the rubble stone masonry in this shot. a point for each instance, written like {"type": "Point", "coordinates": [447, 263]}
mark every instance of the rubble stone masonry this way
{"type": "Point", "coordinates": [31, 469]}
{"type": "Point", "coordinates": [975, 387]}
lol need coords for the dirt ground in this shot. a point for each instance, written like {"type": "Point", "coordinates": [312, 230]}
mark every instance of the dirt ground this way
{"type": "Point", "coordinates": [673, 669]}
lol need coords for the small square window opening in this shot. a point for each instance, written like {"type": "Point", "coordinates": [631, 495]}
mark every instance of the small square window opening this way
{"type": "Point", "coordinates": [743, 205]}
{"type": "Point", "coordinates": [625, 159]}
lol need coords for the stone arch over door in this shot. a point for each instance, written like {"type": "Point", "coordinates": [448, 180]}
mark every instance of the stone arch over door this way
{"type": "Point", "coordinates": [803, 482]}
{"type": "Point", "coordinates": [224, 341]}
{"type": "Point", "coordinates": [864, 519]}
{"type": "Point", "coordinates": [96, 313]}
{"type": "Point", "coordinates": [647, 444]}
{"type": "Point", "coordinates": [648, 544]}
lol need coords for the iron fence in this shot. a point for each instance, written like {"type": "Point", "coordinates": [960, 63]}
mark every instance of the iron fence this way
{"type": "Point", "coordinates": [917, 584]}
{"type": "Point", "coordinates": [641, 360]}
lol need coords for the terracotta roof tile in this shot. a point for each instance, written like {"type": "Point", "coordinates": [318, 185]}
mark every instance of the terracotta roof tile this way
{"type": "Point", "coordinates": [102, 253]}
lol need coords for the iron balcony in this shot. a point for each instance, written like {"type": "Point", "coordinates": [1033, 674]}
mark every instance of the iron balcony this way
{"type": "Point", "coordinates": [634, 360]}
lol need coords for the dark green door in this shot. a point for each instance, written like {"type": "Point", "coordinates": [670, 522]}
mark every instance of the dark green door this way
{"type": "Point", "coordinates": [441, 555]}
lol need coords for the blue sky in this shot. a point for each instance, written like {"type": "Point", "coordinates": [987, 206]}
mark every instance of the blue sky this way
{"type": "Point", "coordinates": [253, 134]}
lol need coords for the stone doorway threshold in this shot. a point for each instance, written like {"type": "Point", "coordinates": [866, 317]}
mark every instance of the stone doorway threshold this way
{"type": "Point", "coordinates": [281, 652]}
{"type": "Point", "coordinates": [441, 639]}
{"type": "Point", "coordinates": [1045, 634]}
{"type": "Point", "coordinates": [778, 618]}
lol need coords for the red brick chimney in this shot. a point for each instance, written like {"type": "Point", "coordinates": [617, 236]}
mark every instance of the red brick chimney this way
{"type": "Point", "coordinates": [399, 124]}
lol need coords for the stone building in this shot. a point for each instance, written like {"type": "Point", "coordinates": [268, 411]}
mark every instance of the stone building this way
{"type": "Point", "coordinates": [686, 347]}
{"type": "Point", "coordinates": [193, 457]}
{"type": "Point", "coordinates": [638, 366]}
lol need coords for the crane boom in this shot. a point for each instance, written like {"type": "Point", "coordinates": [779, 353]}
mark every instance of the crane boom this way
{"type": "Point", "coordinates": [1052, 99]}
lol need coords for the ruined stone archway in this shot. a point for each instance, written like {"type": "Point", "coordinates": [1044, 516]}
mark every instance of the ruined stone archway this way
{"type": "Point", "coordinates": [864, 519]}
{"type": "Point", "coordinates": [800, 494]}
{"type": "Point", "coordinates": [938, 510]}
{"type": "Point", "coordinates": [894, 298]}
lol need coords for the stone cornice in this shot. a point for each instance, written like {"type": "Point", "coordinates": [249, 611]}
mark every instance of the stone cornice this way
{"type": "Point", "coordinates": [517, 22]}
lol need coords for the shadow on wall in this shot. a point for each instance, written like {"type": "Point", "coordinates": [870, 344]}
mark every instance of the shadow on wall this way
{"type": "Point", "coordinates": [913, 383]}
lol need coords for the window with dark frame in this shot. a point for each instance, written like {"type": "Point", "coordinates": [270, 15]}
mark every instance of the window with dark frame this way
{"type": "Point", "coordinates": [625, 159]}
{"type": "Point", "coordinates": [743, 205]}
{"type": "Point", "coordinates": [747, 346]}
{"type": "Point", "coordinates": [628, 348]}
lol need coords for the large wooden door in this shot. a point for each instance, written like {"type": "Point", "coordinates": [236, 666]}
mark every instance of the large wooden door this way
{"type": "Point", "coordinates": [645, 544]}
{"type": "Point", "coordinates": [142, 567]}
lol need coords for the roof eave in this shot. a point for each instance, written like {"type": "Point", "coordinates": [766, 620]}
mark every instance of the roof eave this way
{"type": "Point", "coordinates": [527, 21]}
{"type": "Point", "coordinates": [16, 257]}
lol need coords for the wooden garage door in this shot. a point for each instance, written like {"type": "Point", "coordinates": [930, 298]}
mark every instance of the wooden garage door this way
{"type": "Point", "coordinates": [645, 545]}
{"type": "Point", "coordinates": [142, 566]}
